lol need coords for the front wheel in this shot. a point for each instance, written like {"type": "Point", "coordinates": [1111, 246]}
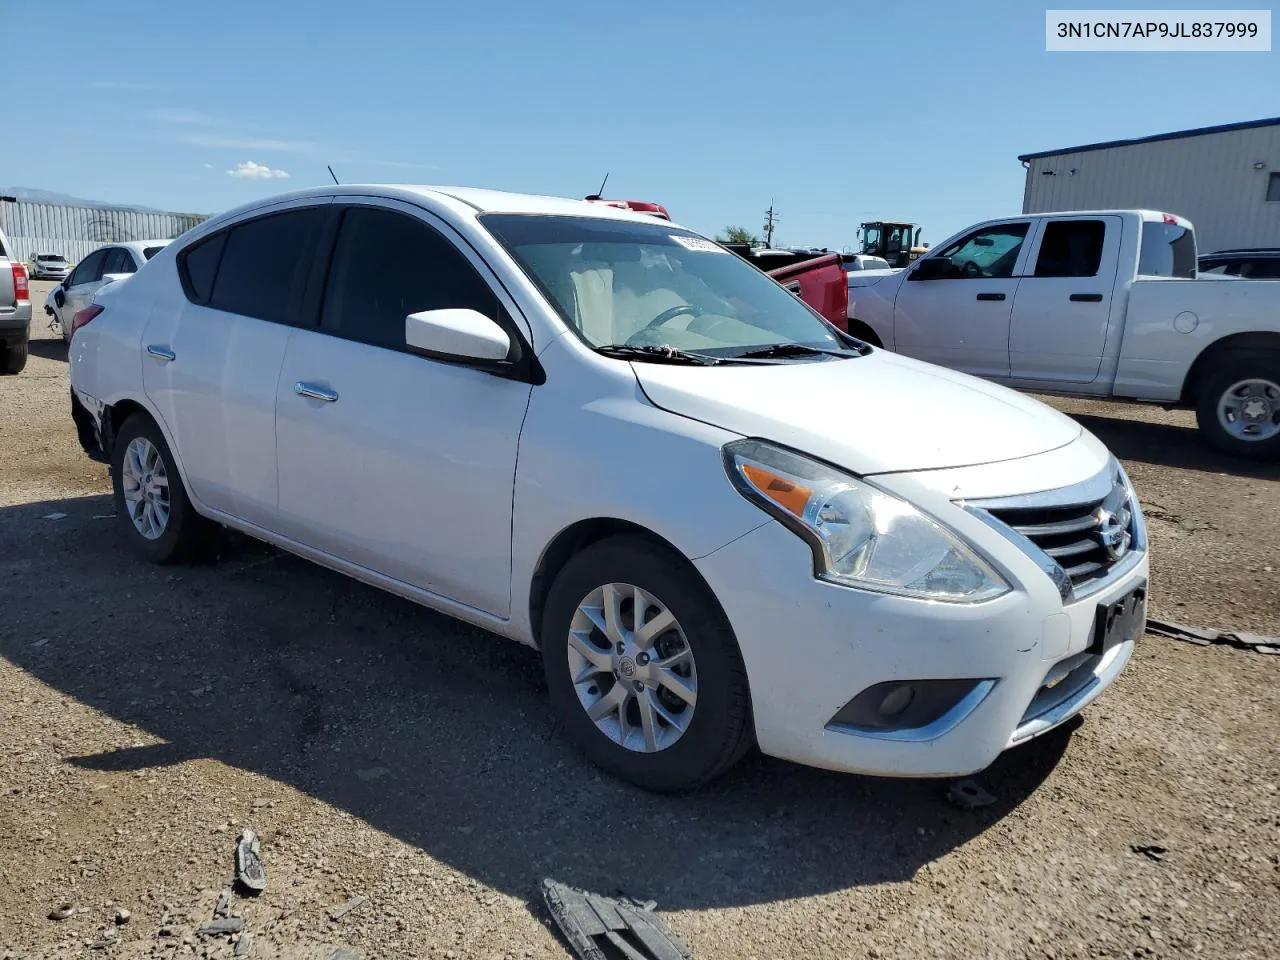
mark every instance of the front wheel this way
{"type": "Point", "coordinates": [643, 668]}
{"type": "Point", "coordinates": [152, 506]}
{"type": "Point", "coordinates": [1239, 405]}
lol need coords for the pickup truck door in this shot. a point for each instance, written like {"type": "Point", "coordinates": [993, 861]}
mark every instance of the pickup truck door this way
{"type": "Point", "coordinates": [1063, 308]}
{"type": "Point", "coordinates": [961, 319]}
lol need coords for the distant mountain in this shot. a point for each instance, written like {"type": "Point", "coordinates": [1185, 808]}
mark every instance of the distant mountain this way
{"type": "Point", "coordinates": [32, 195]}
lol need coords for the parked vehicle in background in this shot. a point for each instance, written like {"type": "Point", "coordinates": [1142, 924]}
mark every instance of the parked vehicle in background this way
{"type": "Point", "coordinates": [115, 261]}
{"type": "Point", "coordinates": [15, 311]}
{"type": "Point", "coordinates": [1258, 263]}
{"type": "Point", "coordinates": [521, 429]}
{"type": "Point", "coordinates": [817, 278]}
{"type": "Point", "coordinates": [862, 261]}
{"type": "Point", "coordinates": [1098, 304]}
{"type": "Point", "coordinates": [898, 243]}
{"type": "Point", "coordinates": [49, 266]}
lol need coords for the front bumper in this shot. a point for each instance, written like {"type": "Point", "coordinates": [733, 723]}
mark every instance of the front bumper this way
{"type": "Point", "coordinates": [810, 646]}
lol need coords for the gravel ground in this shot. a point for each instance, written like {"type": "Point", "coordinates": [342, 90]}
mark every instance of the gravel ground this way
{"type": "Point", "coordinates": [381, 751]}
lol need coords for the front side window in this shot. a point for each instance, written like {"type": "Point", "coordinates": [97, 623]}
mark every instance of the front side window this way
{"type": "Point", "coordinates": [89, 270]}
{"type": "Point", "coordinates": [639, 284]}
{"type": "Point", "coordinates": [264, 263]}
{"type": "Point", "coordinates": [989, 253]}
{"type": "Point", "coordinates": [1071, 248]}
{"type": "Point", "coordinates": [387, 265]}
{"type": "Point", "coordinates": [1167, 250]}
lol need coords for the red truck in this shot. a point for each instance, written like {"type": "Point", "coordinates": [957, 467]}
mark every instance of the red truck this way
{"type": "Point", "coordinates": [819, 279]}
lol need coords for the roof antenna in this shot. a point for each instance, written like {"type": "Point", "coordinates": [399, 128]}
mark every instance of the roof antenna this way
{"type": "Point", "coordinates": [599, 193]}
{"type": "Point", "coordinates": [331, 173]}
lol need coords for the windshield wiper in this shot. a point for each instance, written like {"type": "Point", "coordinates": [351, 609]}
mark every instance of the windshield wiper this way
{"type": "Point", "coordinates": [779, 351]}
{"type": "Point", "coordinates": [653, 352]}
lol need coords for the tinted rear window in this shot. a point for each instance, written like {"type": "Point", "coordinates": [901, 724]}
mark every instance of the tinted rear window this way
{"type": "Point", "coordinates": [149, 252]}
{"type": "Point", "coordinates": [1168, 250]}
{"type": "Point", "coordinates": [263, 264]}
{"type": "Point", "coordinates": [200, 266]}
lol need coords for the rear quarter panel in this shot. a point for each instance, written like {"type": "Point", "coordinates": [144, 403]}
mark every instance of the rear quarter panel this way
{"type": "Point", "coordinates": [1171, 322]}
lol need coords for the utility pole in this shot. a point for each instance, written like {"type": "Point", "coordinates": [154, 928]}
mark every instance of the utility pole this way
{"type": "Point", "coordinates": [769, 221]}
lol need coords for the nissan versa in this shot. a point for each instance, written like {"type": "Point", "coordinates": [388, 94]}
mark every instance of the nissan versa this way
{"type": "Point", "coordinates": [720, 519]}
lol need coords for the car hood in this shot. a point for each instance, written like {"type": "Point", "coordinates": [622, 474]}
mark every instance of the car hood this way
{"type": "Point", "coordinates": [881, 413]}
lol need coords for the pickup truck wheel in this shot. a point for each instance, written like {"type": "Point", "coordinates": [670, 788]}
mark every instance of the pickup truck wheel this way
{"type": "Point", "coordinates": [1239, 406]}
{"type": "Point", "coordinates": [152, 506]}
{"type": "Point", "coordinates": [15, 358]}
{"type": "Point", "coordinates": [643, 667]}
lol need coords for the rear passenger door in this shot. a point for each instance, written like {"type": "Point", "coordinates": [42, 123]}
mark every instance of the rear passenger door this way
{"type": "Point", "coordinates": [211, 365]}
{"type": "Point", "coordinates": [1063, 307]}
{"type": "Point", "coordinates": [388, 459]}
{"type": "Point", "coordinates": [79, 288]}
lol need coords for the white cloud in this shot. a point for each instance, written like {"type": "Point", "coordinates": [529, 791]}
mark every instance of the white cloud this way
{"type": "Point", "coordinates": [208, 166]}
{"type": "Point", "coordinates": [255, 171]}
{"type": "Point", "coordinates": [249, 143]}
{"type": "Point", "coordinates": [182, 115]}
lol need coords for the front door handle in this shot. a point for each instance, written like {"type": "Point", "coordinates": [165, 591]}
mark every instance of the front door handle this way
{"type": "Point", "coordinates": [991, 296]}
{"type": "Point", "coordinates": [1086, 298]}
{"type": "Point", "coordinates": [315, 392]}
{"type": "Point", "coordinates": [161, 353]}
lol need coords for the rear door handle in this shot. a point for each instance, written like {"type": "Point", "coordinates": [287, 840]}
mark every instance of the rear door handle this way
{"type": "Point", "coordinates": [161, 353]}
{"type": "Point", "coordinates": [315, 392]}
{"type": "Point", "coordinates": [991, 296]}
{"type": "Point", "coordinates": [1086, 298]}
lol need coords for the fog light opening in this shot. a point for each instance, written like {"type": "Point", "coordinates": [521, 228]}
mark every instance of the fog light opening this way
{"type": "Point", "coordinates": [897, 700]}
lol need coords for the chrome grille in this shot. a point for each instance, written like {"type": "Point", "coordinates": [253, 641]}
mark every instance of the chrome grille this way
{"type": "Point", "coordinates": [1085, 530]}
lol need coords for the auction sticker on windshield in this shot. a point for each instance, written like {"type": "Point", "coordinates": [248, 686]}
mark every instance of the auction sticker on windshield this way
{"type": "Point", "coordinates": [698, 243]}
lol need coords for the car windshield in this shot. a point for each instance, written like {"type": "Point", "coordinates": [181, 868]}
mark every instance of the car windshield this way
{"type": "Point", "coordinates": [639, 284]}
{"type": "Point", "coordinates": [50, 258]}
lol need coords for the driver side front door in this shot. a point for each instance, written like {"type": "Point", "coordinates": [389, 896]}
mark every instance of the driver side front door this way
{"type": "Point", "coordinates": [961, 319]}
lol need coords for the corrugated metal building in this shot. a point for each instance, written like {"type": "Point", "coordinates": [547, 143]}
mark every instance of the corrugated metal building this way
{"type": "Point", "coordinates": [1225, 180]}
{"type": "Point", "coordinates": [76, 231]}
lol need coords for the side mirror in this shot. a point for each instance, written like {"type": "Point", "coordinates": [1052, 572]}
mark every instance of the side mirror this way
{"type": "Point", "coordinates": [60, 297]}
{"type": "Point", "coordinates": [933, 268]}
{"type": "Point", "coordinates": [459, 334]}
{"type": "Point", "coordinates": [112, 277]}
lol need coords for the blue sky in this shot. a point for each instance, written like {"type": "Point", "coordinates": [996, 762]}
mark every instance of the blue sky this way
{"type": "Point", "coordinates": [837, 112]}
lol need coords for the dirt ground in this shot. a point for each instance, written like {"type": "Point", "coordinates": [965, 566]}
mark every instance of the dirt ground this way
{"type": "Point", "coordinates": [385, 752]}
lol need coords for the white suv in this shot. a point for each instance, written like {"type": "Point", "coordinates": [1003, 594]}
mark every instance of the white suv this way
{"type": "Point", "coordinates": [720, 519]}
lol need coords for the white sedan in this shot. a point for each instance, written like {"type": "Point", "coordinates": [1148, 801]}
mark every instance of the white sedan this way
{"type": "Point", "coordinates": [722, 521]}
{"type": "Point", "coordinates": [113, 262]}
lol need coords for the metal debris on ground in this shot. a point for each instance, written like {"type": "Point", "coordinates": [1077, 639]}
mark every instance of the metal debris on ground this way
{"type": "Point", "coordinates": [1204, 636]}
{"type": "Point", "coordinates": [220, 927]}
{"type": "Point", "coordinates": [64, 912]}
{"type": "Point", "coordinates": [603, 928]}
{"type": "Point", "coordinates": [54, 516]}
{"type": "Point", "coordinates": [337, 913]}
{"type": "Point", "coordinates": [224, 904]}
{"type": "Point", "coordinates": [243, 945]}
{"type": "Point", "coordinates": [342, 953]}
{"type": "Point", "coordinates": [250, 872]}
{"type": "Point", "coordinates": [1150, 851]}
{"type": "Point", "coordinates": [969, 795]}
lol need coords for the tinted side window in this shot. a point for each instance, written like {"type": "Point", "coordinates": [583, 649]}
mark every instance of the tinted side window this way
{"type": "Point", "coordinates": [387, 265]}
{"type": "Point", "coordinates": [988, 253]}
{"type": "Point", "coordinates": [118, 260]}
{"type": "Point", "coordinates": [90, 268]}
{"type": "Point", "coordinates": [198, 266]}
{"type": "Point", "coordinates": [264, 264]}
{"type": "Point", "coordinates": [1168, 250]}
{"type": "Point", "coordinates": [1071, 248]}
{"type": "Point", "coordinates": [149, 252]}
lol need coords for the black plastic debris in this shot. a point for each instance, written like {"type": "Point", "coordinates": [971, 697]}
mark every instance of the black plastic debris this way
{"type": "Point", "coordinates": [1204, 636]}
{"type": "Point", "coordinates": [969, 795]}
{"type": "Point", "coordinates": [607, 928]}
{"type": "Point", "coordinates": [1150, 851]}
{"type": "Point", "coordinates": [250, 872]}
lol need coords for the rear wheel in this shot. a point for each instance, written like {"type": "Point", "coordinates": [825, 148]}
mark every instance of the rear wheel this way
{"type": "Point", "coordinates": [643, 667]}
{"type": "Point", "coordinates": [1239, 405]}
{"type": "Point", "coordinates": [15, 358]}
{"type": "Point", "coordinates": [152, 506]}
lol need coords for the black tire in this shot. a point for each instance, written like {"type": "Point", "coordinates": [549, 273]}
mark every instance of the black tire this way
{"type": "Point", "coordinates": [187, 535]}
{"type": "Point", "coordinates": [1226, 371]}
{"type": "Point", "coordinates": [15, 358]}
{"type": "Point", "coordinates": [719, 732]}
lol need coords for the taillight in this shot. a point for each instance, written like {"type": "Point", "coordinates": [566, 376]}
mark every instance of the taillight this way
{"type": "Point", "coordinates": [84, 316]}
{"type": "Point", "coordinates": [21, 289]}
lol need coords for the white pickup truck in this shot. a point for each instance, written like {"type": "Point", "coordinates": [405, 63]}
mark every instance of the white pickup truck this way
{"type": "Point", "coordinates": [1099, 304]}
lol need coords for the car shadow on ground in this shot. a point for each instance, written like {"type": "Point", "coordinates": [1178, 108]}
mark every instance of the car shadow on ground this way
{"type": "Point", "coordinates": [1169, 445]}
{"type": "Point", "coordinates": [48, 349]}
{"type": "Point", "coordinates": [432, 731]}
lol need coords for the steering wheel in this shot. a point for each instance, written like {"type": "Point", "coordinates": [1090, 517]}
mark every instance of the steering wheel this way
{"type": "Point", "coordinates": [971, 269]}
{"type": "Point", "coordinates": [665, 317]}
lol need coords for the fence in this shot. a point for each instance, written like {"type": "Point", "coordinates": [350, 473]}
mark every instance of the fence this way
{"type": "Point", "coordinates": [74, 232]}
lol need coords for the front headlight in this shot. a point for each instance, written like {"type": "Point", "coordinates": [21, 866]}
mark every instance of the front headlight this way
{"type": "Point", "coordinates": [860, 535]}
